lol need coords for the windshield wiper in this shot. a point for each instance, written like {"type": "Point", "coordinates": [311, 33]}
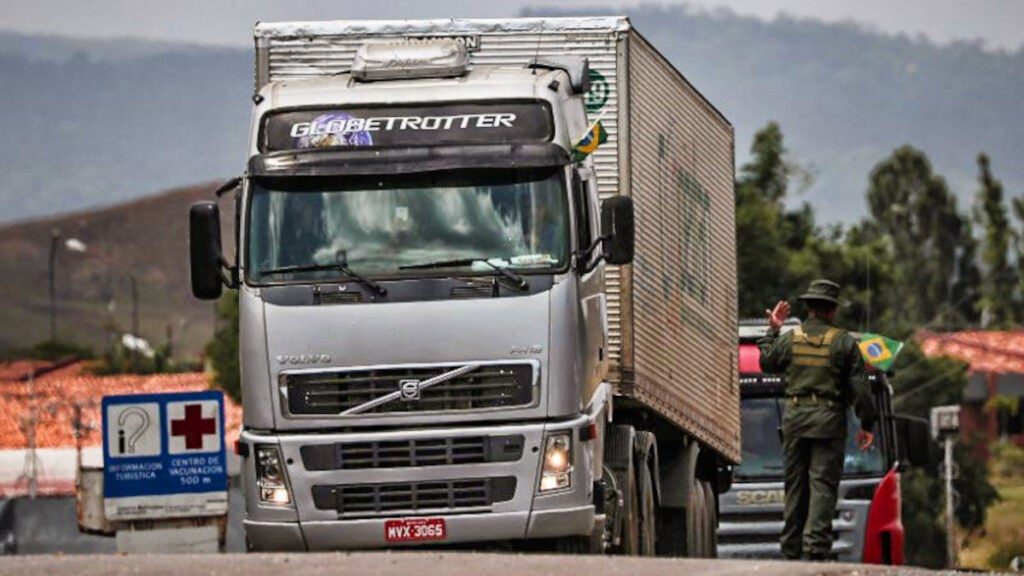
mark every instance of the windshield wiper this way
{"type": "Point", "coordinates": [518, 280]}
{"type": "Point", "coordinates": [340, 265]}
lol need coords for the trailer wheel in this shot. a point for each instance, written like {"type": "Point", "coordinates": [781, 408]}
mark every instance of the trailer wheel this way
{"type": "Point", "coordinates": [711, 515]}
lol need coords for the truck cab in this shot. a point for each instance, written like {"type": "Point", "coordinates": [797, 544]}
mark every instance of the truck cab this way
{"type": "Point", "coordinates": [867, 526]}
{"type": "Point", "coordinates": [409, 255]}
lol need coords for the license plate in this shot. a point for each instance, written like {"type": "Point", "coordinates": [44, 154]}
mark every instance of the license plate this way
{"type": "Point", "coordinates": [415, 530]}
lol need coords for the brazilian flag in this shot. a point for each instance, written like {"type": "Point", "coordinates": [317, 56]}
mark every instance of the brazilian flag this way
{"type": "Point", "coordinates": [595, 136]}
{"type": "Point", "coordinates": [879, 351]}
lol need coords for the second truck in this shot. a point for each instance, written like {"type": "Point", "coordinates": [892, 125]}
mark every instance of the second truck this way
{"type": "Point", "coordinates": [487, 289]}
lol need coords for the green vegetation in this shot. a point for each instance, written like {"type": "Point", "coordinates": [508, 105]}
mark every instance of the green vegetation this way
{"type": "Point", "coordinates": [120, 360]}
{"type": "Point", "coordinates": [223, 349]}
{"type": "Point", "coordinates": [993, 545]}
{"type": "Point", "coordinates": [997, 301]}
{"type": "Point", "coordinates": [50, 350]}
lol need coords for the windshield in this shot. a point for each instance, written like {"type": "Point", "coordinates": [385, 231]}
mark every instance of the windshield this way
{"type": "Point", "coordinates": [513, 218]}
{"type": "Point", "coordinates": [762, 448]}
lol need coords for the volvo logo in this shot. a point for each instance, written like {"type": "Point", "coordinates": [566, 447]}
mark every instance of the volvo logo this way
{"type": "Point", "coordinates": [410, 389]}
{"type": "Point", "coordinates": [304, 359]}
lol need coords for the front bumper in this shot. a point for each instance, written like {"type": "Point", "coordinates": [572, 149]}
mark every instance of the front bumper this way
{"type": "Point", "coordinates": [526, 515]}
{"type": "Point", "coordinates": [461, 528]}
{"type": "Point", "coordinates": [751, 521]}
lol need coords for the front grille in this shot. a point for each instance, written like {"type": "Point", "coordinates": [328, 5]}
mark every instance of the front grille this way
{"type": "Point", "coordinates": [747, 538]}
{"type": "Point", "coordinates": [412, 497]}
{"type": "Point", "coordinates": [409, 453]}
{"type": "Point", "coordinates": [750, 517]}
{"type": "Point", "coordinates": [332, 392]}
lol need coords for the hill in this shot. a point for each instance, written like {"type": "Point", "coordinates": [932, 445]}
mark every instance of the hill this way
{"type": "Point", "coordinates": [90, 122]}
{"type": "Point", "coordinates": [147, 238]}
{"type": "Point", "coordinates": [87, 125]}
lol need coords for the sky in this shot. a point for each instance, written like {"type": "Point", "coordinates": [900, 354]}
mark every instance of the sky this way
{"type": "Point", "coordinates": [999, 24]}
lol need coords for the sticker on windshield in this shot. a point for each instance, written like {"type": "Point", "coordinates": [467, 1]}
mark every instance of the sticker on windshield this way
{"type": "Point", "coordinates": [533, 260]}
{"type": "Point", "coordinates": [331, 129]}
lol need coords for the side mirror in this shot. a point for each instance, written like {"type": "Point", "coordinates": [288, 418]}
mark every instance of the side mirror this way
{"type": "Point", "coordinates": [204, 250]}
{"type": "Point", "coordinates": [617, 230]}
{"type": "Point", "coordinates": [913, 440]}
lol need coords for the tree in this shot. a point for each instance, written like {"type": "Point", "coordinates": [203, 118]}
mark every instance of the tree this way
{"type": "Point", "coordinates": [997, 288]}
{"type": "Point", "coordinates": [766, 234]}
{"type": "Point", "coordinates": [222, 350]}
{"type": "Point", "coordinates": [1018, 211]}
{"type": "Point", "coordinates": [915, 209]}
{"type": "Point", "coordinates": [767, 172]}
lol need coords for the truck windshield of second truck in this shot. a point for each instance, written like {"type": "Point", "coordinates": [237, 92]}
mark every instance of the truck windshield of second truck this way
{"type": "Point", "coordinates": [512, 218]}
{"type": "Point", "coordinates": [762, 448]}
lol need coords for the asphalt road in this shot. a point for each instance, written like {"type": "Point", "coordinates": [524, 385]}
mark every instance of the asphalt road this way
{"type": "Point", "coordinates": [417, 564]}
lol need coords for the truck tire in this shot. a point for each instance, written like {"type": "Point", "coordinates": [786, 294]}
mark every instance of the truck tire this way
{"type": "Point", "coordinates": [696, 525]}
{"type": "Point", "coordinates": [619, 455]}
{"type": "Point", "coordinates": [574, 545]}
{"type": "Point", "coordinates": [711, 515]}
{"type": "Point", "coordinates": [671, 532]}
{"type": "Point", "coordinates": [647, 527]}
{"type": "Point", "coordinates": [630, 514]}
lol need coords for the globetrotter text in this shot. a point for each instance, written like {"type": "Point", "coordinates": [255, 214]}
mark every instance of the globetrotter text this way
{"type": "Point", "coordinates": [457, 122]}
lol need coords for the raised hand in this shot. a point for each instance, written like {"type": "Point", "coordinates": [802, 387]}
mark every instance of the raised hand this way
{"type": "Point", "coordinates": [777, 316]}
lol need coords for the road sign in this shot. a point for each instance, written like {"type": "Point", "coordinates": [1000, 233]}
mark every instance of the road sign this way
{"type": "Point", "coordinates": [945, 420]}
{"type": "Point", "coordinates": [163, 456]}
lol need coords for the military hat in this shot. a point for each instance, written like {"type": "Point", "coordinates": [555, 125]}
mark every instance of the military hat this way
{"type": "Point", "coordinates": [823, 290]}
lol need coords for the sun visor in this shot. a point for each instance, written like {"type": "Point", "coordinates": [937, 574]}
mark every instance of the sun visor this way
{"type": "Point", "coordinates": [361, 162]}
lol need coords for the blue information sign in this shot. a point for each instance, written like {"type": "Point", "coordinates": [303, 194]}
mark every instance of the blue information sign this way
{"type": "Point", "coordinates": [163, 455]}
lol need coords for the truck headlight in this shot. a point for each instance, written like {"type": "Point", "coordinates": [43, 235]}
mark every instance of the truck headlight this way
{"type": "Point", "coordinates": [557, 469]}
{"type": "Point", "coordinates": [270, 479]}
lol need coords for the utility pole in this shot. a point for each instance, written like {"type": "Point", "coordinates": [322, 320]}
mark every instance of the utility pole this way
{"type": "Point", "coordinates": [54, 242]}
{"type": "Point", "coordinates": [950, 532]}
{"type": "Point", "coordinates": [945, 421]}
{"type": "Point", "coordinates": [73, 244]}
{"type": "Point", "coordinates": [30, 471]}
{"type": "Point", "coordinates": [135, 322]}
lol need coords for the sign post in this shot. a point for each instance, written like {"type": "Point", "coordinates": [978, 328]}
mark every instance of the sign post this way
{"type": "Point", "coordinates": [945, 422]}
{"type": "Point", "coordinates": [164, 457]}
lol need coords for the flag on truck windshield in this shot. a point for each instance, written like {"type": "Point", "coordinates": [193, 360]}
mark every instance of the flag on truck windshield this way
{"type": "Point", "coordinates": [879, 351]}
{"type": "Point", "coordinates": [595, 136]}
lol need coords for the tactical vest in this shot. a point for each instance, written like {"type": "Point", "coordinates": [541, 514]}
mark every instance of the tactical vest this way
{"type": "Point", "coordinates": [810, 369]}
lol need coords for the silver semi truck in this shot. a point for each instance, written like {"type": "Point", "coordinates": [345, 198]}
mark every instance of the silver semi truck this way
{"type": "Point", "coordinates": [487, 289]}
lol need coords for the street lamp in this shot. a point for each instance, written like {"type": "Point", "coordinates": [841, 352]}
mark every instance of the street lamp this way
{"type": "Point", "coordinates": [72, 245]}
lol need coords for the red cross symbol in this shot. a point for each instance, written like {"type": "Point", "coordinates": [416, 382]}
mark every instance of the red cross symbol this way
{"type": "Point", "coordinates": [193, 427]}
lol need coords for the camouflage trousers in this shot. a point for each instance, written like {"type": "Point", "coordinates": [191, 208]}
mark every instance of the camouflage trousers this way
{"type": "Point", "coordinates": [813, 467]}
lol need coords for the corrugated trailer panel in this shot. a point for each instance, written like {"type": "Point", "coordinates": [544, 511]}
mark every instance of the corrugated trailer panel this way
{"type": "Point", "coordinates": [683, 280]}
{"type": "Point", "coordinates": [308, 50]}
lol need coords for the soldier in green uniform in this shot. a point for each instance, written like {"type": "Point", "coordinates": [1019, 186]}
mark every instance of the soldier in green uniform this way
{"type": "Point", "coordinates": [824, 375]}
